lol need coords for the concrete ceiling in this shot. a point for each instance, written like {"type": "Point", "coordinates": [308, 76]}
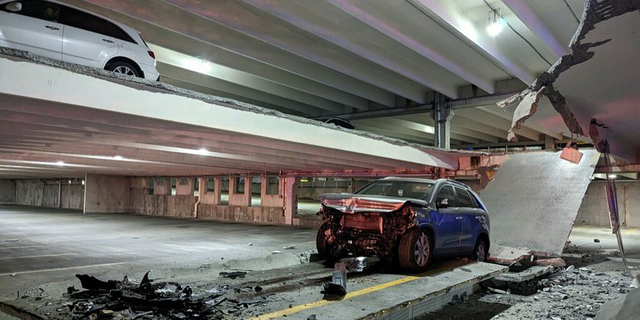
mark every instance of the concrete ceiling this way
{"type": "Point", "coordinates": [354, 57]}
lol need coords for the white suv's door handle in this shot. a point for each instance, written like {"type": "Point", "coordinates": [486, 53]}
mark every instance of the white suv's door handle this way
{"type": "Point", "coordinates": [52, 27]}
{"type": "Point", "coordinates": [108, 41]}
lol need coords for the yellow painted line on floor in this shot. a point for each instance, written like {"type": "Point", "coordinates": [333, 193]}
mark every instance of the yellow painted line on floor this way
{"type": "Point", "coordinates": [41, 256]}
{"type": "Point", "coordinates": [61, 269]}
{"type": "Point", "coordinates": [350, 295]}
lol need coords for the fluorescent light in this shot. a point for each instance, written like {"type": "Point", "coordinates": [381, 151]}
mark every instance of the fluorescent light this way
{"type": "Point", "coordinates": [494, 29]}
{"type": "Point", "coordinates": [60, 163]}
{"type": "Point", "coordinates": [118, 157]}
{"type": "Point", "coordinates": [496, 23]}
{"type": "Point", "coordinates": [203, 151]}
{"type": "Point", "coordinates": [613, 176]}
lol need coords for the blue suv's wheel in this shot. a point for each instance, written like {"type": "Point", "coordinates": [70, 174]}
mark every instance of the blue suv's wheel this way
{"type": "Point", "coordinates": [415, 250]}
{"type": "Point", "coordinates": [481, 250]}
{"type": "Point", "coordinates": [325, 249]}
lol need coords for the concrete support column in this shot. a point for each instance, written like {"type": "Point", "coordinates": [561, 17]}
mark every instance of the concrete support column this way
{"type": "Point", "coordinates": [247, 191]}
{"type": "Point", "coordinates": [264, 183]}
{"type": "Point", "coordinates": [290, 194]}
{"type": "Point", "coordinates": [549, 143]}
{"type": "Point", "coordinates": [59, 194]}
{"type": "Point", "coordinates": [7, 191]}
{"type": "Point", "coordinates": [217, 190]}
{"type": "Point", "coordinates": [106, 194]}
{"type": "Point", "coordinates": [232, 187]}
{"type": "Point", "coordinates": [442, 115]}
{"type": "Point", "coordinates": [162, 187]}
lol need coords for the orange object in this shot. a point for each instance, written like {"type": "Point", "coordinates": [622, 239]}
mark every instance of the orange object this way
{"type": "Point", "coordinates": [571, 154]}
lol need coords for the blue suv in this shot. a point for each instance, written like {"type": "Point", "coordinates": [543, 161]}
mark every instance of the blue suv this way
{"type": "Point", "coordinates": [405, 221]}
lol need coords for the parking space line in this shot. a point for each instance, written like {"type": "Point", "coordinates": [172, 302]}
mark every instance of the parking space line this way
{"type": "Point", "coordinates": [61, 269]}
{"type": "Point", "coordinates": [40, 256]}
{"type": "Point", "coordinates": [320, 303]}
{"type": "Point", "coordinates": [6, 248]}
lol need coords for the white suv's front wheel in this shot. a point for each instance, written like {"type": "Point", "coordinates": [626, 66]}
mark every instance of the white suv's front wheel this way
{"type": "Point", "coordinates": [122, 67]}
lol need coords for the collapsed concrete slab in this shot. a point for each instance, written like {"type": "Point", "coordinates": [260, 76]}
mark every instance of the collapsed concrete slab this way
{"type": "Point", "coordinates": [595, 80]}
{"type": "Point", "coordinates": [534, 199]}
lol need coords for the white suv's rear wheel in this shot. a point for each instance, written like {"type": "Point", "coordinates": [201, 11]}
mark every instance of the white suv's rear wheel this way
{"type": "Point", "coordinates": [122, 67]}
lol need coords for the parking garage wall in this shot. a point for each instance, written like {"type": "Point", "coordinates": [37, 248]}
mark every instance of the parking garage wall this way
{"type": "Point", "coordinates": [594, 211]}
{"type": "Point", "coordinates": [68, 194]}
{"type": "Point", "coordinates": [7, 191]}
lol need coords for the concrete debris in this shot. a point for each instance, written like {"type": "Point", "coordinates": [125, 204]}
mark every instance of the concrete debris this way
{"type": "Point", "coordinates": [596, 240]}
{"type": "Point", "coordinates": [498, 291]}
{"type": "Point", "coordinates": [312, 317]}
{"type": "Point", "coordinates": [527, 106]}
{"type": "Point", "coordinates": [91, 283]}
{"type": "Point", "coordinates": [276, 252]}
{"type": "Point", "coordinates": [568, 294]}
{"type": "Point", "coordinates": [289, 247]}
{"type": "Point", "coordinates": [233, 275]}
{"type": "Point", "coordinates": [250, 244]}
{"type": "Point", "coordinates": [150, 300]}
{"type": "Point", "coordinates": [625, 307]}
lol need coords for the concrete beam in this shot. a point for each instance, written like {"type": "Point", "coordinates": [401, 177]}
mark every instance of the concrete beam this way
{"type": "Point", "coordinates": [498, 122]}
{"type": "Point", "coordinates": [397, 31]}
{"type": "Point", "coordinates": [336, 26]}
{"type": "Point", "coordinates": [447, 12]}
{"type": "Point", "coordinates": [528, 16]}
{"type": "Point", "coordinates": [177, 64]}
{"type": "Point", "coordinates": [258, 36]}
{"type": "Point", "coordinates": [197, 36]}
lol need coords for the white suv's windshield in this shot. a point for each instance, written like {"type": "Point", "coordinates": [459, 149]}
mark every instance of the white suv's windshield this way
{"type": "Point", "coordinates": [402, 189]}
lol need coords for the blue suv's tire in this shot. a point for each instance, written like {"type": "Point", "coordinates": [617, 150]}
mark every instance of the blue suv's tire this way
{"type": "Point", "coordinates": [481, 250]}
{"type": "Point", "coordinates": [415, 250]}
{"type": "Point", "coordinates": [325, 251]}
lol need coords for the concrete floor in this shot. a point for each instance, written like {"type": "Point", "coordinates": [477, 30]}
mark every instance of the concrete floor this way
{"type": "Point", "coordinates": [46, 245]}
{"type": "Point", "coordinates": [45, 248]}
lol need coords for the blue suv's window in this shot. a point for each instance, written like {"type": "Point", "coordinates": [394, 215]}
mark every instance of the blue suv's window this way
{"type": "Point", "coordinates": [463, 198]}
{"type": "Point", "coordinates": [446, 192]}
{"type": "Point", "coordinates": [403, 189]}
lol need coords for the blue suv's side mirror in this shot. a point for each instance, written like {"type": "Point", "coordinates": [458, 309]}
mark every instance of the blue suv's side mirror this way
{"type": "Point", "coordinates": [444, 203]}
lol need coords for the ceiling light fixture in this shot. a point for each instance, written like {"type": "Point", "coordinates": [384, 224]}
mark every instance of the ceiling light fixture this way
{"type": "Point", "coordinates": [496, 23]}
{"type": "Point", "coordinates": [60, 163]}
{"type": "Point", "coordinates": [203, 151]}
{"type": "Point", "coordinates": [118, 157]}
{"type": "Point", "coordinates": [613, 176]}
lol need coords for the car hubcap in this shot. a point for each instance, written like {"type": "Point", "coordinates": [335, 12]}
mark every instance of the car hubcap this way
{"type": "Point", "coordinates": [124, 70]}
{"type": "Point", "coordinates": [422, 250]}
{"type": "Point", "coordinates": [480, 254]}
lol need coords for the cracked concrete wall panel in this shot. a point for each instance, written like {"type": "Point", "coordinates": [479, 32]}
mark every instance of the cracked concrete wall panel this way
{"type": "Point", "coordinates": [534, 198]}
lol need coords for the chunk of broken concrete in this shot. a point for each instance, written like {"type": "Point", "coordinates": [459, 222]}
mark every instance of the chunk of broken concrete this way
{"type": "Point", "coordinates": [233, 274]}
{"type": "Point", "coordinates": [92, 283]}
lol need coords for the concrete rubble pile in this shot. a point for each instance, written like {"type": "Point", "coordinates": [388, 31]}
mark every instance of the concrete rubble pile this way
{"type": "Point", "coordinates": [571, 293]}
{"type": "Point", "coordinates": [126, 299]}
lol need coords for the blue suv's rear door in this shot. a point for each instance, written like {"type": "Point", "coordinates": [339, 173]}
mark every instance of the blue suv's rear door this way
{"type": "Point", "coordinates": [449, 223]}
{"type": "Point", "coordinates": [470, 222]}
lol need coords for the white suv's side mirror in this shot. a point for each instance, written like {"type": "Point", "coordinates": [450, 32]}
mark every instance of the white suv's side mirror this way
{"type": "Point", "coordinates": [14, 6]}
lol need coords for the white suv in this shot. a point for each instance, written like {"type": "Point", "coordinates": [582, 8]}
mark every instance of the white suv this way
{"type": "Point", "coordinates": [61, 32]}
